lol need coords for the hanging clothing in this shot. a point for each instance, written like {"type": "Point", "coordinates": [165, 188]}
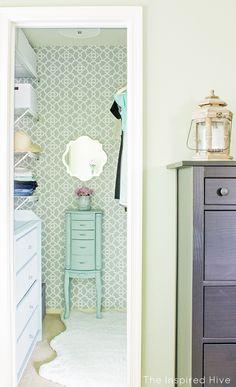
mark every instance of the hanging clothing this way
{"type": "Point", "coordinates": [118, 171]}
{"type": "Point", "coordinates": [123, 172]}
{"type": "Point", "coordinates": [115, 110]}
{"type": "Point", "coordinates": [119, 110]}
{"type": "Point", "coordinates": [121, 100]}
{"type": "Point", "coordinates": [116, 113]}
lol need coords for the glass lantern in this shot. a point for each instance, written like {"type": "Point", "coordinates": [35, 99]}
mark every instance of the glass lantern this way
{"type": "Point", "coordinates": [210, 130]}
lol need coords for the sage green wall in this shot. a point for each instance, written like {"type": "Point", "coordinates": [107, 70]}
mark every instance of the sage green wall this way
{"type": "Point", "coordinates": [189, 47]}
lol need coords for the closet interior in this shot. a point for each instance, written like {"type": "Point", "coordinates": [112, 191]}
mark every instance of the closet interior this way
{"type": "Point", "coordinates": [70, 197]}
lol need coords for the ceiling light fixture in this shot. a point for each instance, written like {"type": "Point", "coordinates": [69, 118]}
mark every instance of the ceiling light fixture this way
{"type": "Point", "coordinates": [81, 33]}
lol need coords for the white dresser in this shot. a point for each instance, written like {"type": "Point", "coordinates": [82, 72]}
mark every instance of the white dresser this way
{"type": "Point", "coordinates": [27, 254]}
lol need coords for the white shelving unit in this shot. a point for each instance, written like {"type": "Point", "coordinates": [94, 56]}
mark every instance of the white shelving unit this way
{"type": "Point", "coordinates": [25, 101]}
{"type": "Point", "coordinates": [25, 155]}
{"type": "Point", "coordinates": [26, 199]}
{"type": "Point", "coordinates": [27, 111]}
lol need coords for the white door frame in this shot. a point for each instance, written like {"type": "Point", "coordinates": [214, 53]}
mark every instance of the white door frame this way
{"type": "Point", "coordinates": [68, 17]}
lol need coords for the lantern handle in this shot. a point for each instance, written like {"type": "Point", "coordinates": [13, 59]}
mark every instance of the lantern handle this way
{"type": "Point", "coordinates": [189, 132]}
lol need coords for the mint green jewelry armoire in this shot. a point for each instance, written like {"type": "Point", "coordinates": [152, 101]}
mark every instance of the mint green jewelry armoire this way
{"type": "Point", "coordinates": [83, 252]}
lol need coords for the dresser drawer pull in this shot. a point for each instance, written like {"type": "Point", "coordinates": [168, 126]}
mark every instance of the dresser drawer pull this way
{"type": "Point", "coordinates": [223, 191]}
{"type": "Point", "coordinates": [82, 234]}
{"type": "Point", "coordinates": [82, 247]}
{"type": "Point", "coordinates": [82, 263]}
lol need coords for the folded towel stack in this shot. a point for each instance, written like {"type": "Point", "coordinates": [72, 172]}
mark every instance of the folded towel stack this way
{"type": "Point", "coordinates": [24, 182]}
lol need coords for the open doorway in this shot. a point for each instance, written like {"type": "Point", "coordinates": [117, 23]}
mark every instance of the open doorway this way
{"type": "Point", "coordinates": [70, 86]}
{"type": "Point", "coordinates": [71, 17]}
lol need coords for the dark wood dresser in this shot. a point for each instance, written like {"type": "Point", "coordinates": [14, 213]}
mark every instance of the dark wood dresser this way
{"type": "Point", "coordinates": [206, 275]}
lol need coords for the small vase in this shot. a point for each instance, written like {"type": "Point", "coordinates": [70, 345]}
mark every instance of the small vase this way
{"type": "Point", "coordinates": [84, 203]}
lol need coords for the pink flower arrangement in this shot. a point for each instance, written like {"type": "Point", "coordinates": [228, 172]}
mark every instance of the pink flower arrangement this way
{"type": "Point", "coordinates": [83, 191]}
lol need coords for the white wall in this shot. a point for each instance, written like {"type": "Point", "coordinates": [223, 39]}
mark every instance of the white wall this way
{"type": "Point", "coordinates": [189, 48]}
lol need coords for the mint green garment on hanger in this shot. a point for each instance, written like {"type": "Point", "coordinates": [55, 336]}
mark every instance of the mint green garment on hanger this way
{"type": "Point", "coordinates": [121, 100]}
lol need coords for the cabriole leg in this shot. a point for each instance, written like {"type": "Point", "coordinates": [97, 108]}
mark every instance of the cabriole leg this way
{"type": "Point", "coordinates": [98, 294]}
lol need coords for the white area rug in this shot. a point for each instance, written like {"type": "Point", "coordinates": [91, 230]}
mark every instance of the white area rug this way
{"type": "Point", "coordinates": [90, 352]}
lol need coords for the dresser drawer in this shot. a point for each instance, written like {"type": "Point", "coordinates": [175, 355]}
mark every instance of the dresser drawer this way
{"type": "Point", "coordinates": [25, 248]}
{"type": "Point", "coordinates": [83, 216]}
{"type": "Point", "coordinates": [83, 262]}
{"type": "Point", "coordinates": [220, 245]}
{"type": "Point", "coordinates": [220, 312]}
{"type": "Point", "coordinates": [26, 308]}
{"type": "Point", "coordinates": [83, 225]}
{"type": "Point", "coordinates": [83, 247]}
{"type": "Point", "coordinates": [220, 362]}
{"type": "Point", "coordinates": [26, 277]}
{"type": "Point", "coordinates": [86, 234]}
{"type": "Point", "coordinates": [27, 339]}
{"type": "Point", "coordinates": [220, 191]}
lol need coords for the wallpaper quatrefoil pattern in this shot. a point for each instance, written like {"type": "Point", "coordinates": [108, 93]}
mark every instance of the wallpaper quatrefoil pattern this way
{"type": "Point", "coordinates": [75, 92]}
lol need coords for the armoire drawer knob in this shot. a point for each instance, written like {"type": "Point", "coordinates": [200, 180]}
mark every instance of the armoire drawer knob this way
{"type": "Point", "coordinates": [30, 247]}
{"type": "Point", "coordinates": [30, 277]}
{"type": "Point", "coordinates": [223, 191]}
{"type": "Point", "coordinates": [31, 306]}
{"type": "Point", "coordinates": [31, 336]}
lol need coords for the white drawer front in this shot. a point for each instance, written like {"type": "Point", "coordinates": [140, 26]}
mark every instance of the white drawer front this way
{"type": "Point", "coordinates": [26, 277]}
{"type": "Point", "coordinates": [26, 308]}
{"type": "Point", "coordinates": [26, 340]}
{"type": "Point", "coordinates": [26, 247]}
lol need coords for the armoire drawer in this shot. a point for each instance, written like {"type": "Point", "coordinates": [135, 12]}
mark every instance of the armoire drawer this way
{"type": "Point", "coordinates": [220, 312]}
{"type": "Point", "coordinates": [82, 225]}
{"type": "Point", "coordinates": [26, 308]}
{"type": "Point", "coordinates": [83, 247]}
{"type": "Point", "coordinates": [220, 362]}
{"type": "Point", "coordinates": [26, 277]}
{"type": "Point", "coordinates": [220, 245]}
{"type": "Point", "coordinates": [83, 263]}
{"type": "Point", "coordinates": [83, 216]}
{"type": "Point", "coordinates": [220, 191]}
{"type": "Point", "coordinates": [86, 234]}
{"type": "Point", "coordinates": [27, 339]}
{"type": "Point", "coordinates": [25, 248]}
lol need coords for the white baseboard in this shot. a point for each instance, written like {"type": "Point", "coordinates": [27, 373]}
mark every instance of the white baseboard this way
{"type": "Point", "coordinates": [61, 310]}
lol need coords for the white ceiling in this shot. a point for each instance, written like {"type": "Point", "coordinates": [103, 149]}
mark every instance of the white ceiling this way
{"type": "Point", "coordinates": [39, 37]}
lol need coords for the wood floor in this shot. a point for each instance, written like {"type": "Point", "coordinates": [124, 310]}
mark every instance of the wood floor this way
{"type": "Point", "coordinates": [43, 353]}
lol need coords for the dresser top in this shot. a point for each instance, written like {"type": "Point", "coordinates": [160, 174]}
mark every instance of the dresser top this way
{"type": "Point", "coordinates": [202, 163]}
{"type": "Point", "coordinates": [20, 227]}
{"type": "Point", "coordinates": [93, 210]}
{"type": "Point", "coordinates": [24, 220]}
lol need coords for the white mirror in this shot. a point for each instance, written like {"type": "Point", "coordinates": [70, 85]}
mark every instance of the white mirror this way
{"type": "Point", "coordinates": [84, 158]}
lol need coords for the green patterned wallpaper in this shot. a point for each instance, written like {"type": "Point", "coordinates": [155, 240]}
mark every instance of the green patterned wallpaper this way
{"type": "Point", "coordinates": [75, 92]}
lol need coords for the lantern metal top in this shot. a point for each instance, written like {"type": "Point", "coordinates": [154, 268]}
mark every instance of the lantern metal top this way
{"type": "Point", "coordinates": [212, 100]}
{"type": "Point", "coordinates": [212, 107]}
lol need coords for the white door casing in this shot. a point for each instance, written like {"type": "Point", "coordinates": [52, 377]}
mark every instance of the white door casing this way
{"type": "Point", "coordinates": [70, 17]}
